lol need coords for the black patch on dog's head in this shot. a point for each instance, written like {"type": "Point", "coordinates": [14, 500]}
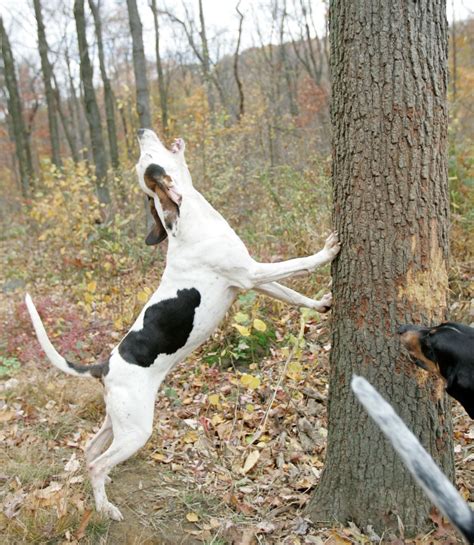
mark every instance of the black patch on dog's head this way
{"type": "Point", "coordinates": [447, 349]}
{"type": "Point", "coordinates": [166, 328]}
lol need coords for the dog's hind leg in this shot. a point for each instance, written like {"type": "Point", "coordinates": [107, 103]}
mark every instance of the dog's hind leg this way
{"type": "Point", "coordinates": [131, 414]}
{"type": "Point", "coordinates": [97, 444]}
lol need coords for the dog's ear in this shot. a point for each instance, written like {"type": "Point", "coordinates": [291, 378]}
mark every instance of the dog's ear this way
{"type": "Point", "coordinates": [157, 233]}
{"type": "Point", "coordinates": [162, 185]}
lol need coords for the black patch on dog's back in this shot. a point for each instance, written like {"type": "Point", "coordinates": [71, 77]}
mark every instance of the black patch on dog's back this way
{"type": "Point", "coordinates": [166, 328]}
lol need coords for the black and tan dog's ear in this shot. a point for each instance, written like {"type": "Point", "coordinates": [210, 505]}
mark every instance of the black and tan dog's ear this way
{"type": "Point", "coordinates": [157, 233]}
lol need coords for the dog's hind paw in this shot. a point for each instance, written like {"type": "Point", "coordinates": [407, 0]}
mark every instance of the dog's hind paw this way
{"type": "Point", "coordinates": [109, 510]}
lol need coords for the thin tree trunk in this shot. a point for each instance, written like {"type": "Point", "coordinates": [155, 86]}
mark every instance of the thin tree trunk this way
{"type": "Point", "coordinates": [139, 66]}
{"type": "Point", "coordinates": [159, 68]}
{"type": "Point", "coordinates": [76, 114]}
{"type": "Point", "coordinates": [389, 113]}
{"type": "Point", "coordinates": [108, 93]}
{"type": "Point", "coordinates": [454, 72]}
{"type": "Point", "coordinates": [286, 65]}
{"type": "Point", "coordinates": [47, 71]}
{"type": "Point", "coordinates": [15, 110]}
{"type": "Point", "coordinates": [240, 87]}
{"type": "Point", "coordinates": [206, 64]}
{"type": "Point", "coordinates": [65, 122]}
{"type": "Point", "coordinates": [92, 110]}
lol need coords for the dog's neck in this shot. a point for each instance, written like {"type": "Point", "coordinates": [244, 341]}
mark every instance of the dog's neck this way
{"type": "Point", "coordinates": [197, 220]}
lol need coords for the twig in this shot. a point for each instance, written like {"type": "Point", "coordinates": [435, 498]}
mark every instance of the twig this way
{"type": "Point", "coordinates": [263, 422]}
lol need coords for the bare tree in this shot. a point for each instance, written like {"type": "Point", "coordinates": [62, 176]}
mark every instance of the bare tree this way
{"type": "Point", "coordinates": [108, 93]}
{"type": "Point", "coordinates": [139, 66]}
{"type": "Point", "coordinates": [391, 209]}
{"type": "Point", "coordinates": [91, 108]}
{"type": "Point", "coordinates": [308, 49]}
{"type": "Point", "coordinates": [66, 122]}
{"type": "Point", "coordinates": [211, 81]}
{"type": "Point", "coordinates": [159, 68]}
{"type": "Point", "coordinates": [47, 70]}
{"type": "Point", "coordinates": [75, 112]}
{"type": "Point", "coordinates": [240, 87]}
{"type": "Point", "coordinates": [15, 110]}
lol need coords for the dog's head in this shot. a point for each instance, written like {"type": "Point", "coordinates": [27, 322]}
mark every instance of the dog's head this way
{"type": "Point", "coordinates": [448, 351]}
{"type": "Point", "coordinates": [164, 177]}
{"type": "Point", "coordinates": [438, 349]}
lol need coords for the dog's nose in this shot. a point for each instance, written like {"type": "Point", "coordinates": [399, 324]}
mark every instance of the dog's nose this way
{"type": "Point", "coordinates": [140, 132]}
{"type": "Point", "coordinates": [403, 329]}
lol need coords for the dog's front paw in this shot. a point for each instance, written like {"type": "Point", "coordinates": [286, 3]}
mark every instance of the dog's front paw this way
{"type": "Point", "coordinates": [332, 245]}
{"type": "Point", "coordinates": [109, 510]}
{"type": "Point", "coordinates": [178, 146]}
{"type": "Point", "coordinates": [324, 304]}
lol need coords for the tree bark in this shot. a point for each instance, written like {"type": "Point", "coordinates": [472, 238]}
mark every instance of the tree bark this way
{"type": "Point", "coordinates": [109, 100]}
{"type": "Point", "coordinates": [91, 108]}
{"type": "Point", "coordinates": [159, 68]}
{"type": "Point", "coordinates": [139, 65]}
{"type": "Point", "coordinates": [389, 114]}
{"type": "Point", "coordinates": [15, 110]}
{"type": "Point", "coordinates": [47, 71]}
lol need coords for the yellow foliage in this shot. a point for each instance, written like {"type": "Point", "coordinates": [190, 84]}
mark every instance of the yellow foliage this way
{"type": "Point", "coordinates": [250, 381]}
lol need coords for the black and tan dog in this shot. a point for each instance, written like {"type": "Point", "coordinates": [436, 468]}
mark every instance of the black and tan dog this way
{"type": "Point", "coordinates": [448, 351]}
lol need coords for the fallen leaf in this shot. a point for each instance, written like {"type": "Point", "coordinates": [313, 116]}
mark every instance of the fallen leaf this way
{"type": "Point", "coordinates": [192, 517]}
{"type": "Point", "coordinates": [250, 462]}
{"type": "Point", "coordinates": [83, 524]}
{"type": "Point", "coordinates": [250, 381]}
{"type": "Point", "coordinates": [12, 504]}
{"type": "Point", "coordinates": [214, 399]}
{"type": "Point", "coordinates": [259, 325]}
{"type": "Point", "coordinates": [244, 331]}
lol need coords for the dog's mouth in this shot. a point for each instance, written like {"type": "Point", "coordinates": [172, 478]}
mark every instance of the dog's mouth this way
{"type": "Point", "coordinates": [174, 194]}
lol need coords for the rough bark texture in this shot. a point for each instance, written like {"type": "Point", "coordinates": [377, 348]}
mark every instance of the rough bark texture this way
{"type": "Point", "coordinates": [389, 113]}
{"type": "Point", "coordinates": [139, 66]}
{"type": "Point", "coordinates": [22, 146]}
{"type": "Point", "coordinates": [92, 110]}
{"type": "Point", "coordinates": [159, 68]}
{"type": "Point", "coordinates": [47, 71]}
{"type": "Point", "coordinates": [109, 100]}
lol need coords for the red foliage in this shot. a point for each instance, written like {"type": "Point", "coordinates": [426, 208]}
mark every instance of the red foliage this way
{"type": "Point", "coordinates": [73, 336]}
{"type": "Point", "coordinates": [312, 98]}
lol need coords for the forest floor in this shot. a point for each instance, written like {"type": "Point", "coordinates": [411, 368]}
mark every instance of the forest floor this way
{"type": "Point", "coordinates": [234, 458]}
{"type": "Point", "coordinates": [240, 426]}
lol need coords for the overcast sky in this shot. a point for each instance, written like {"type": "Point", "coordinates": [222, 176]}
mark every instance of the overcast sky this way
{"type": "Point", "coordinates": [220, 16]}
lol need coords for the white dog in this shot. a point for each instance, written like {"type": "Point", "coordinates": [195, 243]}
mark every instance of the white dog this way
{"type": "Point", "coordinates": [207, 264]}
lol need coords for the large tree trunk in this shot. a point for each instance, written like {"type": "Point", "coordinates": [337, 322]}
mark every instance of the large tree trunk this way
{"type": "Point", "coordinates": [389, 77]}
{"type": "Point", "coordinates": [139, 66]}
{"type": "Point", "coordinates": [159, 68]}
{"type": "Point", "coordinates": [108, 93]}
{"type": "Point", "coordinates": [47, 70]}
{"type": "Point", "coordinates": [92, 110]}
{"type": "Point", "coordinates": [22, 145]}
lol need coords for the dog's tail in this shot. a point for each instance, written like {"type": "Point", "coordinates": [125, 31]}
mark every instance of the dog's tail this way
{"type": "Point", "coordinates": [98, 370]}
{"type": "Point", "coordinates": [436, 485]}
